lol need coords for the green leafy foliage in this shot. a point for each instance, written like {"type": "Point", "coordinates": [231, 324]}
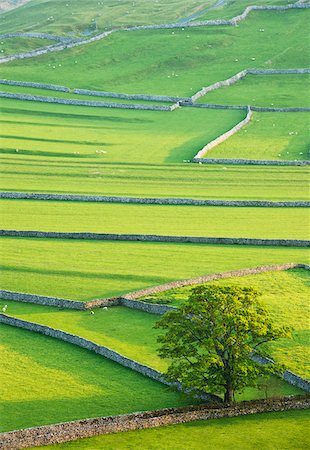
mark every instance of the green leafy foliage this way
{"type": "Point", "coordinates": [209, 339]}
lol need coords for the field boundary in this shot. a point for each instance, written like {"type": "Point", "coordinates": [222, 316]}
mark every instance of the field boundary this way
{"type": "Point", "coordinates": [251, 162]}
{"type": "Point", "coordinates": [153, 201]}
{"type": "Point", "coordinates": [217, 22]}
{"type": "Point", "coordinates": [240, 75]}
{"type": "Point", "coordinates": [131, 299]}
{"type": "Point", "coordinates": [78, 429]}
{"type": "Point", "coordinates": [154, 238]}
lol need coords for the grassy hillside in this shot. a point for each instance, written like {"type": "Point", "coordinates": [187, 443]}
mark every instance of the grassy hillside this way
{"type": "Point", "coordinates": [89, 16]}
{"type": "Point", "coordinates": [11, 46]}
{"type": "Point", "coordinates": [164, 61]}
{"type": "Point", "coordinates": [285, 223]}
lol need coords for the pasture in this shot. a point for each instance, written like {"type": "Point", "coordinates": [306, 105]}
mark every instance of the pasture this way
{"type": "Point", "coordinates": [84, 270]}
{"type": "Point", "coordinates": [223, 434]}
{"type": "Point", "coordinates": [271, 136]}
{"type": "Point", "coordinates": [10, 46]}
{"type": "Point", "coordinates": [45, 380]}
{"type": "Point", "coordinates": [163, 61]}
{"type": "Point", "coordinates": [212, 221]}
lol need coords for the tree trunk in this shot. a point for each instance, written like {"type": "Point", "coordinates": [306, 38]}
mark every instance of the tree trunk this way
{"type": "Point", "coordinates": [228, 396]}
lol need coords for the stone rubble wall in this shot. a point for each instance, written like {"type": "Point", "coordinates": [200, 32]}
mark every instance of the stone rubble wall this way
{"type": "Point", "coordinates": [256, 162]}
{"type": "Point", "coordinates": [157, 98]}
{"type": "Point", "coordinates": [63, 101]}
{"type": "Point", "coordinates": [224, 136]}
{"type": "Point", "coordinates": [152, 201]}
{"type": "Point", "coordinates": [51, 87]}
{"type": "Point", "coordinates": [155, 238]}
{"type": "Point", "coordinates": [288, 376]}
{"type": "Point", "coordinates": [50, 37]}
{"type": "Point", "coordinates": [240, 75]}
{"type": "Point", "coordinates": [79, 429]}
{"type": "Point", "coordinates": [41, 300]}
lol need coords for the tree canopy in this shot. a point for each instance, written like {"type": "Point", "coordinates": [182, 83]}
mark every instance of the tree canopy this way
{"type": "Point", "coordinates": [209, 339]}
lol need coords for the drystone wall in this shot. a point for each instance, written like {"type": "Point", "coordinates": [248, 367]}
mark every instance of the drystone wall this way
{"type": "Point", "coordinates": [288, 376]}
{"type": "Point", "coordinates": [155, 238]}
{"type": "Point", "coordinates": [50, 37]}
{"type": "Point", "coordinates": [153, 201]}
{"type": "Point", "coordinates": [206, 278]}
{"type": "Point", "coordinates": [63, 101]}
{"type": "Point", "coordinates": [224, 136]}
{"type": "Point", "coordinates": [157, 98]}
{"type": "Point", "coordinates": [50, 87]}
{"type": "Point", "coordinates": [255, 162]}
{"type": "Point", "coordinates": [41, 300]}
{"type": "Point", "coordinates": [78, 429]}
{"type": "Point", "coordinates": [240, 75]}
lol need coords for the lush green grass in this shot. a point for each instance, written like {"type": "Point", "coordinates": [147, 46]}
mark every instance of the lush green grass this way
{"type": "Point", "coordinates": [46, 381]}
{"type": "Point", "coordinates": [274, 136]}
{"type": "Point", "coordinates": [163, 61]}
{"type": "Point", "coordinates": [10, 46]}
{"type": "Point", "coordinates": [84, 270]}
{"type": "Point", "coordinates": [154, 219]}
{"type": "Point", "coordinates": [79, 176]}
{"type": "Point", "coordinates": [264, 90]}
{"type": "Point", "coordinates": [70, 16]}
{"type": "Point", "coordinates": [282, 430]}
{"type": "Point", "coordinates": [287, 295]}
{"type": "Point", "coordinates": [120, 136]}
{"type": "Point", "coordinates": [126, 331]}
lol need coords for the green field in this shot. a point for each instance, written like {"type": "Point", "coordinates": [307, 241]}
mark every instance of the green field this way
{"type": "Point", "coordinates": [83, 270]}
{"type": "Point", "coordinates": [279, 91]}
{"type": "Point", "coordinates": [119, 135]}
{"type": "Point", "coordinates": [287, 295]}
{"type": "Point", "coordinates": [80, 17]}
{"type": "Point", "coordinates": [291, 223]}
{"type": "Point", "coordinates": [163, 61]}
{"type": "Point", "coordinates": [9, 46]}
{"type": "Point", "coordinates": [264, 431]}
{"type": "Point", "coordinates": [47, 381]}
{"type": "Point", "coordinates": [272, 136]}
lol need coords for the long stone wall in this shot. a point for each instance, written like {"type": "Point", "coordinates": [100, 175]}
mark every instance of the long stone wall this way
{"type": "Point", "coordinates": [152, 201]}
{"type": "Point", "coordinates": [211, 277]}
{"type": "Point", "coordinates": [155, 238]}
{"type": "Point", "coordinates": [41, 300]}
{"type": "Point", "coordinates": [255, 162]}
{"type": "Point", "coordinates": [50, 87]}
{"type": "Point", "coordinates": [232, 22]}
{"type": "Point", "coordinates": [157, 98]}
{"type": "Point", "coordinates": [78, 429]}
{"type": "Point", "coordinates": [63, 101]}
{"type": "Point", "coordinates": [50, 37]}
{"type": "Point", "coordinates": [240, 75]}
{"type": "Point", "coordinates": [224, 136]}
{"type": "Point", "coordinates": [288, 376]}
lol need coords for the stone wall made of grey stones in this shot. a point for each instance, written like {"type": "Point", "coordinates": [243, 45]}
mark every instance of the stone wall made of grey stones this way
{"type": "Point", "coordinates": [157, 98]}
{"type": "Point", "coordinates": [155, 238]}
{"type": "Point", "coordinates": [41, 300]}
{"type": "Point", "coordinates": [63, 101]}
{"type": "Point", "coordinates": [152, 201]}
{"type": "Point", "coordinates": [240, 75]}
{"type": "Point", "coordinates": [50, 87]}
{"type": "Point", "coordinates": [255, 162]}
{"type": "Point", "coordinates": [224, 136]}
{"type": "Point", "coordinates": [211, 277]}
{"type": "Point", "coordinates": [78, 429]}
{"type": "Point", "coordinates": [50, 37]}
{"type": "Point", "coordinates": [288, 376]}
